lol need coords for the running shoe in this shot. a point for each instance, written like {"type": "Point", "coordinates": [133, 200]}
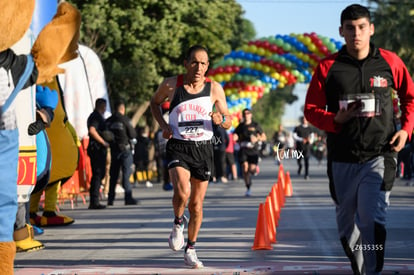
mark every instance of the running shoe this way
{"type": "Point", "coordinates": [176, 239]}
{"type": "Point", "coordinates": [190, 259]}
{"type": "Point", "coordinates": [248, 193]}
{"type": "Point", "coordinates": [168, 186]}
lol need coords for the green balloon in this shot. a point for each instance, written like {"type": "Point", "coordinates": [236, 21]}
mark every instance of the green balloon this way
{"type": "Point", "coordinates": [229, 61]}
{"type": "Point", "coordinates": [325, 41]}
{"type": "Point", "coordinates": [238, 77]}
{"type": "Point", "coordinates": [286, 47]}
{"type": "Point", "coordinates": [246, 64]}
{"type": "Point", "coordinates": [279, 42]}
{"type": "Point", "coordinates": [331, 47]}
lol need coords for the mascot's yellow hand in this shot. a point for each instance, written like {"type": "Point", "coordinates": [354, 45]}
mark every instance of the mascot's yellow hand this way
{"type": "Point", "coordinates": [57, 42]}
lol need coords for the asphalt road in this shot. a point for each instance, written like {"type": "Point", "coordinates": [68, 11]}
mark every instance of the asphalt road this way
{"type": "Point", "coordinates": [133, 239]}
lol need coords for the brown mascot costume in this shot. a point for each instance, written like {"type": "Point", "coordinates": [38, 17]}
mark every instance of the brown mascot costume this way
{"type": "Point", "coordinates": [55, 44]}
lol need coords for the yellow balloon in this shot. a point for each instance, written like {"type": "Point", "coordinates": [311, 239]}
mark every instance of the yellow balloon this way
{"type": "Point", "coordinates": [252, 49]}
{"type": "Point", "coordinates": [307, 41]}
{"type": "Point", "coordinates": [312, 47]}
{"type": "Point", "coordinates": [275, 75]}
{"type": "Point", "coordinates": [266, 69]}
{"type": "Point", "coordinates": [260, 51]}
{"type": "Point", "coordinates": [245, 48]}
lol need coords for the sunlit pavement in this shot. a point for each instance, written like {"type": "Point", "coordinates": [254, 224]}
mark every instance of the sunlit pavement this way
{"type": "Point", "coordinates": [133, 239]}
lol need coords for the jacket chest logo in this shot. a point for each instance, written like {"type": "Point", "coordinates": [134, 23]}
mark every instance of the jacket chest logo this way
{"type": "Point", "coordinates": [378, 81]}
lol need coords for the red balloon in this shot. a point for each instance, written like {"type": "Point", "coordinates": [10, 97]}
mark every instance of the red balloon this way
{"type": "Point", "coordinates": [228, 85]}
{"type": "Point", "coordinates": [273, 48]}
{"type": "Point", "coordinates": [249, 88]}
{"type": "Point", "coordinates": [239, 115]}
{"type": "Point", "coordinates": [238, 84]}
{"type": "Point", "coordinates": [236, 69]}
{"type": "Point", "coordinates": [228, 69]}
{"type": "Point", "coordinates": [220, 70]}
{"type": "Point", "coordinates": [285, 73]}
{"type": "Point", "coordinates": [324, 50]}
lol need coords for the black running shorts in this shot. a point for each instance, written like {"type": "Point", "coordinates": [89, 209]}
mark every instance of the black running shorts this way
{"type": "Point", "coordinates": [195, 156]}
{"type": "Point", "coordinates": [249, 154]}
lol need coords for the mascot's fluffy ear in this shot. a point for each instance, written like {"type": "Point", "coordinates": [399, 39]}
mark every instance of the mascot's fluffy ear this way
{"type": "Point", "coordinates": [15, 20]}
{"type": "Point", "coordinates": [57, 42]}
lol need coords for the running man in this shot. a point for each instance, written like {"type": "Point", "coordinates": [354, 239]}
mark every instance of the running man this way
{"type": "Point", "coordinates": [189, 148]}
{"type": "Point", "coordinates": [250, 136]}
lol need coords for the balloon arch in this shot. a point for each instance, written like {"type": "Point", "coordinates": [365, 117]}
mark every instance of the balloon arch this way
{"type": "Point", "coordinates": [266, 64]}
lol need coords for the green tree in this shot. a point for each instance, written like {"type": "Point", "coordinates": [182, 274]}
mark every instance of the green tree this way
{"type": "Point", "coordinates": [393, 21]}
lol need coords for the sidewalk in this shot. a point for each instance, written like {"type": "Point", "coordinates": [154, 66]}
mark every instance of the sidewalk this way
{"type": "Point", "coordinates": [133, 239]}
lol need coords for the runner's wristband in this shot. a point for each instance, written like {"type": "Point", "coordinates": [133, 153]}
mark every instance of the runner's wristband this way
{"type": "Point", "coordinates": [224, 120]}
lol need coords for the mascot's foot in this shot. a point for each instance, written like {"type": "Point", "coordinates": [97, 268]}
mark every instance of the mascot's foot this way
{"type": "Point", "coordinates": [7, 253]}
{"type": "Point", "coordinates": [50, 219]}
{"type": "Point", "coordinates": [24, 239]}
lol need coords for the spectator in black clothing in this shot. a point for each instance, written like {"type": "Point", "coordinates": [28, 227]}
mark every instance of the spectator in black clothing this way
{"type": "Point", "coordinates": [97, 151]}
{"type": "Point", "coordinates": [160, 144]}
{"type": "Point", "coordinates": [121, 153]}
{"type": "Point", "coordinates": [220, 141]}
{"type": "Point", "coordinates": [302, 134]}
{"type": "Point", "coordinates": [141, 155]}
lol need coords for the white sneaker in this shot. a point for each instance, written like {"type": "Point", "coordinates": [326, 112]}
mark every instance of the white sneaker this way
{"type": "Point", "coordinates": [119, 189]}
{"type": "Point", "coordinates": [248, 193]}
{"type": "Point", "coordinates": [176, 239]}
{"type": "Point", "coordinates": [190, 259]}
{"type": "Point", "coordinates": [148, 184]}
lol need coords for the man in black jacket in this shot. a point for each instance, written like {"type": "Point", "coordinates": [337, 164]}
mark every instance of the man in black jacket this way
{"type": "Point", "coordinates": [351, 98]}
{"type": "Point", "coordinates": [97, 150]}
{"type": "Point", "coordinates": [121, 153]}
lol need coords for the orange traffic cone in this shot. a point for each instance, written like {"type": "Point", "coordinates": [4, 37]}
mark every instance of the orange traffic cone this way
{"type": "Point", "coordinates": [281, 168]}
{"type": "Point", "coordinates": [281, 193]}
{"type": "Point", "coordinates": [281, 177]}
{"type": "Point", "coordinates": [275, 204]}
{"type": "Point", "coordinates": [261, 237]}
{"type": "Point", "coordinates": [271, 225]}
{"type": "Point", "coordinates": [288, 189]}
